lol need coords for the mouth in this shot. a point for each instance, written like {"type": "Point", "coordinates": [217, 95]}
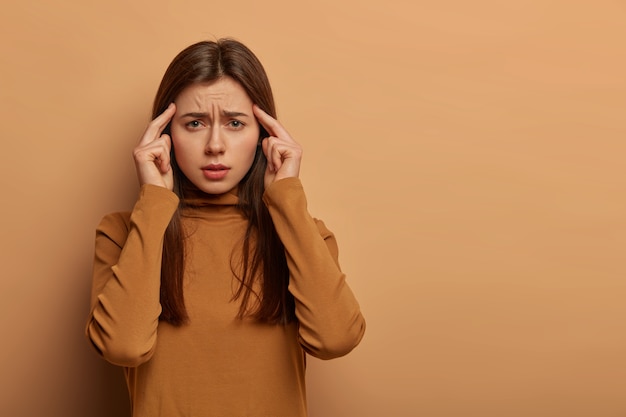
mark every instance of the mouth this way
{"type": "Point", "coordinates": [215, 171]}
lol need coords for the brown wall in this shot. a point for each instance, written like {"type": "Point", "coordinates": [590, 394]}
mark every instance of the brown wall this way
{"type": "Point", "coordinates": [468, 155]}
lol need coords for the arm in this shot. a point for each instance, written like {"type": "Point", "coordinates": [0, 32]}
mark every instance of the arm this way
{"type": "Point", "coordinates": [331, 323]}
{"type": "Point", "coordinates": [125, 308]}
{"type": "Point", "coordinates": [125, 295]}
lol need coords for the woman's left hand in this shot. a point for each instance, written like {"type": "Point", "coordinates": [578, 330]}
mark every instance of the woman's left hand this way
{"type": "Point", "coordinates": [283, 154]}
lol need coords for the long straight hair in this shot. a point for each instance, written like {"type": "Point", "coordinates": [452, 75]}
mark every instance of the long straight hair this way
{"type": "Point", "coordinates": [263, 261]}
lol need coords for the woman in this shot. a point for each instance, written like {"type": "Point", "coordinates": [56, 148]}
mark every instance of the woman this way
{"type": "Point", "coordinates": [214, 288]}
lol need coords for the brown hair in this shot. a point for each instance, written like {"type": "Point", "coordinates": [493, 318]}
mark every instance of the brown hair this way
{"type": "Point", "coordinates": [264, 260]}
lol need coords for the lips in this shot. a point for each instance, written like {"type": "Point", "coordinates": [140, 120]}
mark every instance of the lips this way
{"type": "Point", "coordinates": [215, 171]}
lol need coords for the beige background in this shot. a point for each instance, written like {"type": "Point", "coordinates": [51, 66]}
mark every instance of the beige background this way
{"type": "Point", "coordinates": [468, 155]}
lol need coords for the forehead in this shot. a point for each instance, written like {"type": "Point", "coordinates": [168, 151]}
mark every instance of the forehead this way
{"type": "Point", "coordinates": [224, 92]}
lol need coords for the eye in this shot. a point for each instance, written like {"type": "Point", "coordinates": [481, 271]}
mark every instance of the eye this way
{"type": "Point", "coordinates": [236, 124]}
{"type": "Point", "coordinates": [194, 124]}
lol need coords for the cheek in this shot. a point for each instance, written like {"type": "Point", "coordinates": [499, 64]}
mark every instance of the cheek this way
{"type": "Point", "coordinates": [183, 143]}
{"type": "Point", "coordinates": [250, 150]}
{"type": "Point", "coordinates": [181, 152]}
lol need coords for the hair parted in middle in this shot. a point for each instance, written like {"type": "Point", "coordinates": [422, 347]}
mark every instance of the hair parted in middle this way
{"type": "Point", "coordinates": [265, 260]}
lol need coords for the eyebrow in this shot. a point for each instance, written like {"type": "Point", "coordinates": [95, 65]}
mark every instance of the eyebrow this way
{"type": "Point", "coordinates": [226, 113]}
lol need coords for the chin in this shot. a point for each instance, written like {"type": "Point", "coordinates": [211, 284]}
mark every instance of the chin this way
{"type": "Point", "coordinates": [216, 189]}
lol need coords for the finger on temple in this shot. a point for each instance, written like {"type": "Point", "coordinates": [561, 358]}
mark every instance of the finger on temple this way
{"type": "Point", "coordinates": [270, 124]}
{"type": "Point", "coordinates": [156, 126]}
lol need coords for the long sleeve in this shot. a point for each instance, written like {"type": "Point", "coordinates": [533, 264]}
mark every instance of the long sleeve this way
{"type": "Point", "coordinates": [125, 308]}
{"type": "Point", "coordinates": [330, 320]}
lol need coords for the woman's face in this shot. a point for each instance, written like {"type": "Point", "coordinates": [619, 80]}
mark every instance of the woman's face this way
{"type": "Point", "coordinates": [214, 134]}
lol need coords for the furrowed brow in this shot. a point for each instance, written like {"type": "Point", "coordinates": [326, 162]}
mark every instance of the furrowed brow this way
{"type": "Point", "coordinates": [195, 115]}
{"type": "Point", "coordinates": [228, 113]}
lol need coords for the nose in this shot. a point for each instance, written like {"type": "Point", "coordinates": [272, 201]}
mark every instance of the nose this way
{"type": "Point", "coordinates": [215, 142]}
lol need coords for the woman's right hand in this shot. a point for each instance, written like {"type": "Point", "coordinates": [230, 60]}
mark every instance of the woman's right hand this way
{"type": "Point", "coordinates": [152, 154]}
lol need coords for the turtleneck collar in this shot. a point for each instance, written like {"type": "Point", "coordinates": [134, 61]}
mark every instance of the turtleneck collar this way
{"type": "Point", "coordinates": [193, 197]}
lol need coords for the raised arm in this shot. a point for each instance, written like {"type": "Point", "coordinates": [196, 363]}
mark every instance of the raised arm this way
{"type": "Point", "coordinates": [331, 323]}
{"type": "Point", "coordinates": [125, 304]}
{"type": "Point", "coordinates": [125, 307]}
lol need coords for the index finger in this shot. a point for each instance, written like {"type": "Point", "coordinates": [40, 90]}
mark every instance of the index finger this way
{"type": "Point", "coordinates": [156, 126]}
{"type": "Point", "coordinates": [270, 124]}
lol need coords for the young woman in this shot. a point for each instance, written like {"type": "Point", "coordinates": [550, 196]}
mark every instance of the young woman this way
{"type": "Point", "coordinates": [211, 292]}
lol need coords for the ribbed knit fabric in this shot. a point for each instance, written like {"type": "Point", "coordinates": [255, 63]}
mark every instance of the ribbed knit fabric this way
{"type": "Point", "coordinates": [216, 365]}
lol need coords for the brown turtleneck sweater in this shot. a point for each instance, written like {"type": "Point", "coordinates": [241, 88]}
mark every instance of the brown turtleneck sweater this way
{"type": "Point", "coordinates": [216, 365]}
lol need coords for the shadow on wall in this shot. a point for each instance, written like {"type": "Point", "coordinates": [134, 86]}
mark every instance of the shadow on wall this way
{"type": "Point", "coordinates": [113, 396]}
{"type": "Point", "coordinates": [50, 369]}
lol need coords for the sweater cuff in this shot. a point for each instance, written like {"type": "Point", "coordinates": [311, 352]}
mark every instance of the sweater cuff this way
{"type": "Point", "coordinates": [154, 192]}
{"type": "Point", "coordinates": [285, 192]}
{"type": "Point", "coordinates": [160, 202]}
